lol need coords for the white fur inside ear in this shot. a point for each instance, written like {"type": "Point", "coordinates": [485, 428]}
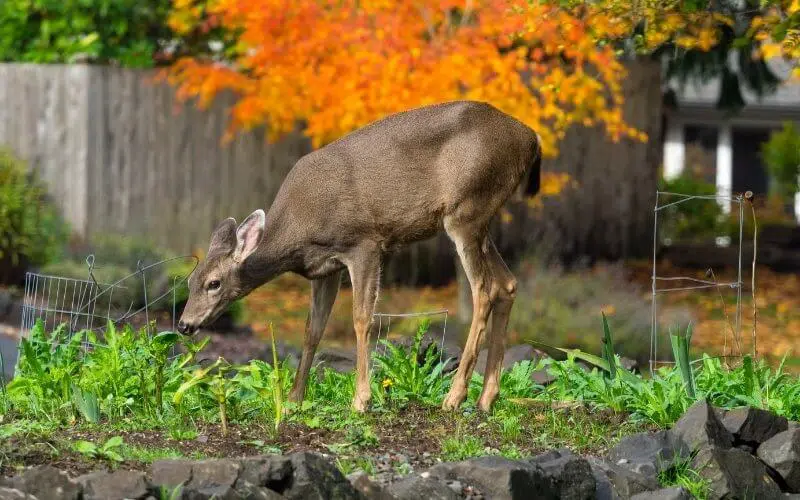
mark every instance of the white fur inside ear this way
{"type": "Point", "coordinates": [249, 234]}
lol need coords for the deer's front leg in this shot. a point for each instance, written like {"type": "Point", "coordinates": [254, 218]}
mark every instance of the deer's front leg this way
{"type": "Point", "coordinates": [323, 295]}
{"type": "Point", "coordinates": [364, 267]}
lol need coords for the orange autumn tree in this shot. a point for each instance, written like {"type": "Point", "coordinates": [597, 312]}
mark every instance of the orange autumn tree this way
{"type": "Point", "coordinates": [339, 65]}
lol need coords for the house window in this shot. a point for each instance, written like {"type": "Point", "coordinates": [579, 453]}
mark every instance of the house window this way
{"type": "Point", "coordinates": [749, 172]}
{"type": "Point", "coordinates": [700, 160]}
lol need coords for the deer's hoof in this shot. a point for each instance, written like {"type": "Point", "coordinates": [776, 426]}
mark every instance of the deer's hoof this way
{"type": "Point", "coordinates": [360, 405]}
{"type": "Point", "coordinates": [452, 402]}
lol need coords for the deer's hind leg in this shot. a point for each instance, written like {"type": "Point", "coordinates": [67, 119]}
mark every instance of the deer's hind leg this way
{"type": "Point", "coordinates": [471, 247]}
{"type": "Point", "coordinates": [504, 291]}
{"type": "Point", "coordinates": [323, 295]}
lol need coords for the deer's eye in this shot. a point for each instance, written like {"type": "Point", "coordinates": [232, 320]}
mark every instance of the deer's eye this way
{"type": "Point", "coordinates": [213, 284]}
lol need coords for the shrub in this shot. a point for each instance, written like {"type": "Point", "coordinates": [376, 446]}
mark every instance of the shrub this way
{"type": "Point", "coordinates": [561, 308]}
{"type": "Point", "coordinates": [781, 155]}
{"type": "Point", "coordinates": [31, 229]}
{"type": "Point", "coordinates": [691, 219]}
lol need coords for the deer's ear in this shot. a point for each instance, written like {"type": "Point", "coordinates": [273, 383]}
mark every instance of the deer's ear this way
{"type": "Point", "coordinates": [248, 235]}
{"type": "Point", "coordinates": [223, 239]}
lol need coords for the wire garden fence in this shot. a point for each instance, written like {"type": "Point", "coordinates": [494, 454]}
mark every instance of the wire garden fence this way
{"type": "Point", "coordinates": [671, 284]}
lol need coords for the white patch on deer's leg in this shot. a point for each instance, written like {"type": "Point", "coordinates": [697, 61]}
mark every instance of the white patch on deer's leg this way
{"type": "Point", "coordinates": [323, 295]}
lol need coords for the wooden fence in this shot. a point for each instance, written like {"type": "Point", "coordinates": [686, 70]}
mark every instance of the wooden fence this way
{"type": "Point", "coordinates": [120, 154]}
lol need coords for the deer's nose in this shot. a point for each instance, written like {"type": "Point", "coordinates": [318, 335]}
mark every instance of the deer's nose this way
{"type": "Point", "coordinates": [183, 328]}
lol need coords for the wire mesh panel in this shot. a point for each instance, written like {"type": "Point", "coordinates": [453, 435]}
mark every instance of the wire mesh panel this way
{"type": "Point", "coordinates": [666, 284]}
{"type": "Point", "coordinates": [86, 304]}
{"type": "Point", "coordinates": [384, 324]}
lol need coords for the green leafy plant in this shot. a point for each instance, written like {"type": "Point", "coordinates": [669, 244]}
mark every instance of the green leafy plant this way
{"type": "Point", "coordinates": [212, 379]}
{"type": "Point", "coordinates": [680, 350]}
{"type": "Point", "coordinates": [32, 232]}
{"type": "Point", "coordinates": [781, 155]}
{"type": "Point", "coordinates": [108, 451]}
{"type": "Point", "coordinates": [405, 378]}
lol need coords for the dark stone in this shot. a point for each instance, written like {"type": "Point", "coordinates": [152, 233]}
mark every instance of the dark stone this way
{"type": "Point", "coordinates": [570, 475]}
{"type": "Point", "coordinates": [624, 482]}
{"type": "Point", "coordinates": [368, 489]}
{"type": "Point", "coordinates": [170, 473]}
{"type": "Point", "coordinates": [700, 426]}
{"type": "Point", "coordinates": [753, 425]}
{"type": "Point", "coordinates": [499, 478]}
{"type": "Point", "coordinates": [782, 453]}
{"type": "Point", "coordinates": [269, 471]}
{"type": "Point", "coordinates": [315, 478]}
{"type": "Point", "coordinates": [663, 494]}
{"type": "Point", "coordinates": [628, 364]}
{"type": "Point", "coordinates": [512, 355]}
{"type": "Point", "coordinates": [14, 494]}
{"type": "Point", "coordinates": [338, 360]}
{"type": "Point", "coordinates": [543, 377]}
{"type": "Point", "coordinates": [647, 453]}
{"type": "Point", "coordinates": [418, 487]}
{"type": "Point", "coordinates": [604, 489]}
{"type": "Point", "coordinates": [118, 485]}
{"type": "Point", "coordinates": [45, 481]}
{"type": "Point", "coordinates": [734, 473]}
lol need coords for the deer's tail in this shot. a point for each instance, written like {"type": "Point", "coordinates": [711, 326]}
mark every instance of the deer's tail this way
{"type": "Point", "coordinates": [534, 169]}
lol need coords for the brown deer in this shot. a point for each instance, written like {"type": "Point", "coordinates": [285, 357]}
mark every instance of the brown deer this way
{"type": "Point", "coordinates": [346, 205]}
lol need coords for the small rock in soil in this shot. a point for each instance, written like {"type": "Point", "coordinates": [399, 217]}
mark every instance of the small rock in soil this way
{"type": "Point", "coordinates": [45, 481]}
{"type": "Point", "coordinates": [734, 473]}
{"type": "Point", "coordinates": [647, 453]}
{"type": "Point", "coordinates": [753, 426]}
{"type": "Point", "coordinates": [570, 475]}
{"type": "Point", "coordinates": [118, 485]}
{"type": "Point", "coordinates": [700, 426]}
{"type": "Point", "coordinates": [14, 494]}
{"type": "Point", "coordinates": [499, 478]}
{"type": "Point", "coordinates": [417, 487]}
{"type": "Point", "coordinates": [664, 494]}
{"type": "Point", "coordinates": [782, 453]}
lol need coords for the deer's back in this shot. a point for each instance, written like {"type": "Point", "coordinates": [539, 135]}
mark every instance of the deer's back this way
{"type": "Point", "coordinates": [396, 179]}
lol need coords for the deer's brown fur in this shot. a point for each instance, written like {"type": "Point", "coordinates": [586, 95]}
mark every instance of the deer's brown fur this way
{"type": "Point", "coordinates": [346, 205]}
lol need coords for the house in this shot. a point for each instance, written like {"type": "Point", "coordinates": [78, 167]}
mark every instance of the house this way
{"type": "Point", "coordinates": [726, 146]}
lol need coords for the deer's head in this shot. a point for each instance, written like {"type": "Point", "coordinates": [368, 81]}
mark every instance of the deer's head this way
{"type": "Point", "coordinates": [221, 278]}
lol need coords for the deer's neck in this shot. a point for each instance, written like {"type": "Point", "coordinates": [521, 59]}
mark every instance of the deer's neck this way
{"type": "Point", "coordinates": [271, 259]}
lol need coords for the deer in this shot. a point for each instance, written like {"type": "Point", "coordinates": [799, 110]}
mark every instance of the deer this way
{"type": "Point", "coordinates": [347, 205]}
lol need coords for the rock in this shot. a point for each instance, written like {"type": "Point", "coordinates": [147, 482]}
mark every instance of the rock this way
{"type": "Point", "coordinates": [200, 480]}
{"type": "Point", "coordinates": [499, 478]}
{"type": "Point", "coordinates": [753, 426]}
{"type": "Point", "coordinates": [664, 494]}
{"type": "Point", "coordinates": [604, 489]}
{"type": "Point", "coordinates": [543, 377]}
{"type": "Point", "coordinates": [366, 487]}
{"type": "Point", "coordinates": [338, 360]}
{"type": "Point", "coordinates": [628, 364]}
{"type": "Point", "coordinates": [118, 485]}
{"type": "Point", "coordinates": [268, 471]}
{"type": "Point", "coordinates": [647, 453]}
{"type": "Point", "coordinates": [14, 494]}
{"type": "Point", "coordinates": [45, 481]}
{"type": "Point", "coordinates": [570, 475]}
{"type": "Point", "coordinates": [782, 453]}
{"type": "Point", "coordinates": [512, 355]}
{"type": "Point", "coordinates": [624, 482]}
{"type": "Point", "coordinates": [418, 487]}
{"type": "Point", "coordinates": [700, 426]}
{"type": "Point", "coordinates": [734, 473]}
{"type": "Point", "coordinates": [315, 478]}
